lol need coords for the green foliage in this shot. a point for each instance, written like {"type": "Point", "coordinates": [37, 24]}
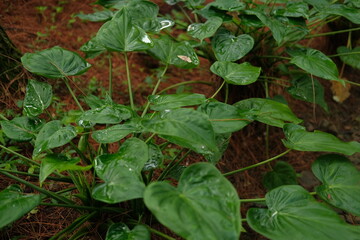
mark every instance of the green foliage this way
{"type": "Point", "coordinates": [282, 174]}
{"type": "Point", "coordinates": [119, 231]}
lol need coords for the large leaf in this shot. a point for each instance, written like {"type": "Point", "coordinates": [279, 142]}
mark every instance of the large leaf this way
{"type": "Point", "coordinates": [99, 16]}
{"type": "Point", "coordinates": [21, 128]}
{"type": "Point", "coordinates": [121, 35]}
{"type": "Point", "coordinates": [293, 9]}
{"type": "Point", "coordinates": [92, 48]}
{"type": "Point", "coordinates": [298, 138]}
{"type": "Point", "coordinates": [37, 98]}
{"type": "Point", "coordinates": [185, 127]}
{"type": "Point", "coordinates": [281, 174]}
{"type": "Point", "coordinates": [55, 62]}
{"type": "Point", "coordinates": [293, 212]}
{"type": "Point", "coordinates": [204, 206]}
{"type": "Point", "coordinates": [121, 173]}
{"type": "Point", "coordinates": [352, 14]}
{"type": "Point", "coordinates": [237, 74]}
{"type": "Point", "coordinates": [114, 133]}
{"type": "Point", "coordinates": [267, 111]}
{"type": "Point", "coordinates": [171, 101]}
{"type": "Point", "coordinates": [56, 162]}
{"type": "Point", "coordinates": [228, 47]}
{"type": "Point", "coordinates": [107, 114]}
{"type": "Point", "coordinates": [14, 204]}
{"type": "Point", "coordinates": [224, 118]}
{"type": "Point", "coordinates": [352, 60]}
{"type": "Point", "coordinates": [204, 30]}
{"type": "Point", "coordinates": [179, 54]}
{"type": "Point", "coordinates": [315, 63]}
{"type": "Point", "coordinates": [53, 135]}
{"type": "Point", "coordinates": [340, 180]}
{"type": "Point", "coordinates": [119, 231]}
{"type": "Point", "coordinates": [229, 5]}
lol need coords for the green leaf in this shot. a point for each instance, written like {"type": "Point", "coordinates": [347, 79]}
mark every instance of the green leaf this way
{"type": "Point", "coordinates": [107, 114]}
{"type": "Point", "coordinates": [293, 212]}
{"type": "Point", "coordinates": [121, 35]}
{"type": "Point", "coordinates": [119, 231]}
{"type": "Point", "coordinates": [282, 174]}
{"type": "Point", "coordinates": [60, 163]}
{"type": "Point", "coordinates": [224, 118]}
{"type": "Point", "coordinates": [95, 102]}
{"type": "Point", "coordinates": [352, 60]}
{"type": "Point", "coordinates": [53, 135]}
{"type": "Point", "coordinates": [340, 180]}
{"type": "Point", "coordinates": [121, 173]}
{"type": "Point", "coordinates": [229, 48]}
{"type": "Point", "coordinates": [114, 133]}
{"type": "Point", "coordinates": [267, 111]}
{"type": "Point", "coordinates": [55, 62]}
{"type": "Point", "coordinates": [179, 54]}
{"type": "Point", "coordinates": [222, 142]}
{"type": "Point", "coordinates": [197, 209]}
{"type": "Point", "coordinates": [185, 127]}
{"type": "Point", "coordinates": [352, 14]}
{"type": "Point", "coordinates": [14, 204]}
{"type": "Point", "coordinates": [204, 30]}
{"type": "Point", "coordinates": [21, 128]}
{"type": "Point", "coordinates": [315, 63]}
{"type": "Point", "coordinates": [229, 5]}
{"type": "Point", "coordinates": [171, 101]}
{"type": "Point", "coordinates": [306, 88]}
{"type": "Point", "coordinates": [298, 138]}
{"type": "Point", "coordinates": [236, 74]}
{"type": "Point", "coordinates": [155, 158]}
{"type": "Point", "coordinates": [211, 11]}
{"type": "Point", "coordinates": [294, 9]}
{"type": "Point", "coordinates": [107, 3]}
{"type": "Point", "coordinates": [37, 98]}
{"type": "Point", "coordinates": [92, 48]}
{"type": "Point", "coordinates": [99, 16]}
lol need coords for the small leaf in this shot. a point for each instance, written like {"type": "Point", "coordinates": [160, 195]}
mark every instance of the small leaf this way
{"type": "Point", "coordinates": [298, 138]}
{"type": "Point", "coordinates": [282, 174]}
{"type": "Point", "coordinates": [155, 158]}
{"type": "Point", "coordinates": [294, 9]}
{"type": "Point", "coordinates": [37, 98]}
{"type": "Point", "coordinates": [172, 101]}
{"type": "Point", "coordinates": [14, 204]}
{"type": "Point", "coordinates": [114, 133]}
{"type": "Point", "coordinates": [340, 180]}
{"type": "Point", "coordinates": [292, 211]}
{"type": "Point", "coordinates": [107, 114]}
{"type": "Point", "coordinates": [236, 74]}
{"type": "Point", "coordinates": [119, 231]}
{"type": "Point", "coordinates": [229, 48]}
{"type": "Point", "coordinates": [92, 48]}
{"type": "Point", "coordinates": [21, 128]}
{"type": "Point", "coordinates": [99, 16]}
{"type": "Point", "coordinates": [55, 62]}
{"type": "Point", "coordinates": [352, 60]}
{"type": "Point", "coordinates": [229, 5]}
{"type": "Point", "coordinates": [204, 30]}
{"type": "Point", "coordinates": [267, 111]}
{"type": "Point", "coordinates": [197, 203]}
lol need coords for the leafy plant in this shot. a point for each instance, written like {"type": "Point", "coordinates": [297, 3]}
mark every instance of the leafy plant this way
{"type": "Point", "coordinates": [244, 41]}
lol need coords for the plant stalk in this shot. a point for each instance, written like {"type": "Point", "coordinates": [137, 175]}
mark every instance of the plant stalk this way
{"type": "Point", "coordinates": [105, 209]}
{"type": "Point", "coordinates": [73, 94]}
{"type": "Point", "coordinates": [332, 33]}
{"type": "Point", "coordinates": [160, 233]}
{"type": "Point", "coordinates": [219, 89]}
{"type": "Point", "coordinates": [110, 76]}
{"type": "Point", "coordinates": [129, 81]}
{"type": "Point", "coordinates": [20, 155]}
{"type": "Point", "coordinates": [184, 83]}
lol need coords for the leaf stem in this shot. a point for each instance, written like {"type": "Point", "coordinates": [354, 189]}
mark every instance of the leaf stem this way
{"type": "Point", "coordinates": [57, 179]}
{"type": "Point", "coordinates": [344, 54]}
{"type": "Point", "coordinates": [19, 155]}
{"type": "Point", "coordinates": [105, 209]}
{"type": "Point", "coordinates": [110, 76]}
{"type": "Point", "coordinates": [332, 33]}
{"type": "Point", "coordinates": [160, 233]}
{"type": "Point", "coordinates": [73, 94]}
{"type": "Point", "coordinates": [252, 200]}
{"type": "Point", "coordinates": [129, 81]}
{"type": "Point", "coordinates": [257, 164]}
{"type": "Point", "coordinates": [218, 90]}
{"type": "Point", "coordinates": [3, 117]}
{"type": "Point", "coordinates": [184, 83]}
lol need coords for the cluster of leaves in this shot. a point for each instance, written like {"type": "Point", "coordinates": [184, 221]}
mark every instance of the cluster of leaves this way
{"type": "Point", "coordinates": [203, 204]}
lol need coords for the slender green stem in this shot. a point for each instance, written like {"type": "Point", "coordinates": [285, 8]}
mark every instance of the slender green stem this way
{"type": "Point", "coordinates": [81, 154]}
{"type": "Point", "coordinates": [226, 92]}
{"type": "Point", "coordinates": [66, 190]}
{"type": "Point", "coordinates": [160, 233]}
{"type": "Point", "coordinates": [185, 14]}
{"type": "Point", "coordinates": [332, 33]}
{"type": "Point", "coordinates": [149, 138]}
{"type": "Point", "coordinates": [59, 179]}
{"type": "Point", "coordinates": [273, 56]}
{"type": "Point", "coordinates": [218, 90]}
{"type": "Point", "coordinates": [3, 117]}
{"type": "Point", "coordinates": [104, 209]}
{"type": "Point", "coordinates": [20, 155]}
{"type": "Point", "coordinates": [252, 200]}
{"type": "Point", "coordinates": [66, 80]}
{"type": "Point", "coordinates": [129, 81]}
{"type": "Point", "coordinates": [166, 170]}
{"type": "Point", "coordinates": [257, 164]}
{"type": "Point", "coordinates": [184, 83]}
{"type": "Point", "coordinates": [110, 76]}
{"type": "Point", "coordinates": [344, 54]}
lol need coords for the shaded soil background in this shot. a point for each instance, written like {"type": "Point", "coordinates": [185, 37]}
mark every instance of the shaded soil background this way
{"type": "Point", "coordinates": [32, 29]}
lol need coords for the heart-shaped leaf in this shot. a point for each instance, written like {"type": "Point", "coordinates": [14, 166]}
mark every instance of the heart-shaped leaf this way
{"type": "Point", "coordinates": [92, 48]}
{"type": "Point", "coordinates": [267, 111]}
{"type": "Point", "coordinates": [292, 211]}
{"type": "Point", "coordinates": [53, 135]}
{"type": "Point", "coordinates": [56, 162]}
{"type": "Point", "coordinates": [119, 231]}
{"type": "Point", "coordinates": [236, 74]}
{"type": "Point", "coordinates": [121, 35]}
{"type": "Point", "coordinates": [229, 48]}
{"type": "Point", "coordinates": [121, 173]}
{"type": "Point", "coordinates": [204, 30]}
{"type": "Point", "coordinates": [282, 174]}
{"type": "Point", "coordinates": [204, 206]}
{"type": "Point", "coordinates": [14, 204]}
{"type": "Point", "coordinates": [37, 98]}
{"type": "Point", "coordinates": [114, 133]}
{"type": "Point", "coordinates": [298, 138]}
{"type": "Point", "coordinates": [99, 16]}
{"type": "Point", "coordinates": [352, 60]}
{"type": "Point", "coordinates": [55, 62]}
{"type": "Point", "coordinates": [21, 128]}
{"type": "Point", "coordinates": [340, 180]}
{"type": "Point", "coordinates": [107, 114]}
{"type": "Point", "coordinates": [171, 101]}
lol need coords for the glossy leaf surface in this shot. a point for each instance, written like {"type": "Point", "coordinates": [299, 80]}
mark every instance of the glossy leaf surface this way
{"type": "Point", "coordinates": [340, 180]}
{"type": "Point", "coordinates": [171, 101]}
{"type": "Point", "coordinates": [114, 133]}
{"type": "Point", "coordinates": [107, 114]}
{"type": "Point", "coordinates": [99, 16]}
{"type": "Point", "coordinates": [55, 62]}
{"type": "Point", "coordinates": [37, 98]}
{"type": "Point", "coordinates": [236, 74]}
{"type": "Point", "coordinates": [292, 211]}
{"type": "Point", "coordinates": [14, 204]}
{"type": "Point", "coordinates": [229, 5]}
{"type": "Point", "coordinates": [352, 60]}
{"type": "Point", "coordinates": [352, 14]}
{"type": "Point", "coordinates": [155, 158]}
{"type": "Point", "coordinates": [281, 174]}
{"type": "Point", "coordinates": [21, 128]}
{"type": "Point", "coordinates": [204, 30]}
{"type": "Point", "coordinates": [197, 209]}
{"type": "Point", "coordinates": [92, 48]}
{"type": "Point", "coordinates": [298, 138]}
{"type": "Point", "coordinates": [121, 173]}
{"type": "Point", "coordinates": [119, 231]}
{"type": "Point", "coordinates": [267, 111]}
{"type": "Point", "coordinates": [294, 9]}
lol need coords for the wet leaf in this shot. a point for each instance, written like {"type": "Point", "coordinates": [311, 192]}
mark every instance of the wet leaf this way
{"type": "Point", "coordinates": [204, 30]}
{"type": "Point", "coordinates": [340, 180]}
{"type": "Point", "coordinates": [55, 62]}
{"type": "Point", "coordinates": [114, 133]}
{"type": "Point", "coordinates": [37, 98]}
{"type": "Point", "coordinates": [21, 128]}
{"type": "Point", "coordinates": [99, 16]}
{"type": "Point", "coordinates": [282, 174]}
{"type": "Point", "coordinates": [107, 114]}
{"type": "Point", "coordinates": [298, 138]}
{"type": "Point", "coordinates": [92, 48]}
{"type": "Point", "coordinates": [293, 9]}
{"type": "Point", "coordinates": [172, 101]}
{"type": "Point", "coordinates": [199, 203]}
{"type": "Point", "coordinates": [229, 5]}
{"type": "Point", "coordinates": [155, 158]}
{"type": "Point", "coordinates": [119, 231]}
{"type": "Point", "coordinates": [352, 14]}
{"type": "Point", "coordinates": [352, 60]}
